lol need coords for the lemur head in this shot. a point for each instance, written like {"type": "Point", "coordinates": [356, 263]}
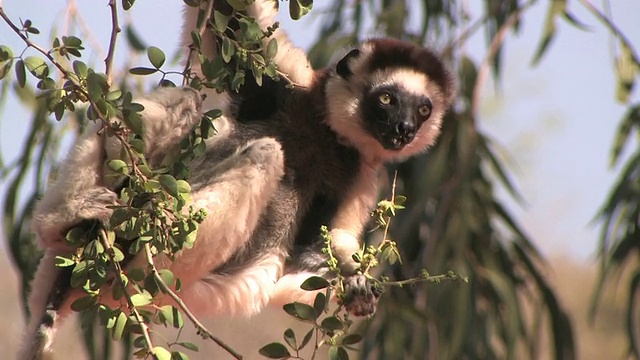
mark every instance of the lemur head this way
{"type": "Point", "coordinates": [387, 98]}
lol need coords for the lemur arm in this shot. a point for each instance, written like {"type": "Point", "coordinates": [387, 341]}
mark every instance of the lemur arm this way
{"type": "Point", "coordinates": [348, 224]}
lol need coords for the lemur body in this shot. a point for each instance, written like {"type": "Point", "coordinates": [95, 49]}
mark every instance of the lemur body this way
{"type": "Point", "coordinates": [285, 161]}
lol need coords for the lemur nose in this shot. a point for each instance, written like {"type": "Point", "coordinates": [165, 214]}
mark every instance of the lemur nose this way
{"type": "Point", "coordinates": [406, 129]}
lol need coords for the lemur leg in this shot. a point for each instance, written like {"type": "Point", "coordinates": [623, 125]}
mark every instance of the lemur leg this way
{"type": "Point", "coordinates": [81, 191]}
{"type": "Point", "coordinates": [235, 193]}
{"type": "Point", "coordinates": [169, 115]}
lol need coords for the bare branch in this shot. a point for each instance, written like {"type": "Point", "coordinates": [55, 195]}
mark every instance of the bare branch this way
{"type": "Point", "coordinates": [115, 30]}
{"type": "Point", "coordinates": [612, 27]}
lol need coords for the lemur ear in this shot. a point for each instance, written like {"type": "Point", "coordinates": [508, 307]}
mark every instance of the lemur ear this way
{"type": "Point", "coordinates": [342, 68]}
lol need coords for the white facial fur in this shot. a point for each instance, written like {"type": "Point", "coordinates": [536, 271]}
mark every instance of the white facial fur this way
{"type": "Point", "coordinates": [344, 100]}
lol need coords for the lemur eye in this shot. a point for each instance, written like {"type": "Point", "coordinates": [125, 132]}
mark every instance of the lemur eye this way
{"type": "Point", "coordinates": [385, 99]}
{"type": "Point", "coordinates": [424, 110]}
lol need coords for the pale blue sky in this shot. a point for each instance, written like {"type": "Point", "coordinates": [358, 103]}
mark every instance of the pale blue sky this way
{"type": "Point", "coordinates": [556, 121]}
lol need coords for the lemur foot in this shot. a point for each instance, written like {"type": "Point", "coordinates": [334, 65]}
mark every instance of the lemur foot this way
{"type": "Point", "coordinates": [267, 154]}
{"type": "Point", "coordinates": [183, 100]}
{"type": "Point", "coordinates": [361, 295]}
{"type": "Point", "coordinates": [95, 203]}
{"type": "Point", "coordinates": [92, 204]}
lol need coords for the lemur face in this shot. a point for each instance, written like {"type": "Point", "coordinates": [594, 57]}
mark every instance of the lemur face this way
{"type": "Point", "coordinates": [387, 98]}
{"type": "Point", "coordinates": [394, 115]}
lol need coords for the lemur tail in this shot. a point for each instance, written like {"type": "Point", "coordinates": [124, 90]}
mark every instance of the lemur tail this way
{"type": "Point", "coordinates": [40, 333]}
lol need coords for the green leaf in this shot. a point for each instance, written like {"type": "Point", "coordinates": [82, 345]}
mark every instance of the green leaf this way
{"type": "Point", "coordinates": [272, 50]}
{"type": "Point", "coordinates": [314, 283]}
{"type": "Point", "coordinates": [338, 352]}
{"type": "Point", "coordinates": [167, 276]}
{"type": "Point", "coordinates": [137, 145]}
{"type": "Point", "coordinates": [5, 53]}
{"type": "Point", "coordinates": [290, 338]}
{"type": "Point", "coordinates": [118, 328]}
{"type": "Point", "coordinates": [172, 316]}
{"type": "Point", "coordinates": [320, 303]}
{"type": "Point", "coordinates": [299, 8]}
{"type": "Point", "coordinates": [96, 86]}
{"type": "Point", "coordinates": [179, 355]}
{"type": "Point", "coordinates": [169, 184]}
{"type": "Point", "coordinates": [83, 303]}
{"type": "Point", "coordinates": [136, 274]}
{"type": "Point", "coordinates": [301, 311]}
{"type": "Point", "coordinates": [557, 8]}
{"type": "Point", "coordinates": [117, 254]}
{"type": "Point", "coordinates": [134, 40]}
{"type": "Point", "coordinates": [188, 345]}
{"type": "Point", "coordinates": [140, 70]}
{"type": "Point", "coordinates": [221, 21]}
{"type": "Point", "coordinates": [183, 187]}
{"type": "Point", "coordinates": [351, 339]}
{"type": "Point", "coordinates": [127, 4]}
{"type": "Point", "coordinates": [118, 166]}
{"type": "Point", "coordinates": [150, 284]}
{"type": "Point", "coordinates": [162, 353]}
{"type": "Point", "coordinates": [21, 74]}
{"type": "Point", "coordinates": [630, 119]}
{"type": "Point", "coordinates": [250, 29]}
{"type": "Point", "coordinates": [156, 56]}
{"type": "Point", "coordinates": [4, 69]}
{"type": "Point", "coordinates": [63, 262]}
{"type": "Point", "coordinates": [238, 80]}
{"type": "Point", "coordinates": [306, 338]}
{"type": "Point", "coordinates": [331, 323]}
{"type": "Point", "coordinates": [626, 70]}
{"type": "Point", "coordinates": [140, 299]}
{"type": "Point", "coordinates": [196, 39]}
{"type": "Point", "coordinates": [274, 350]}
{"type": "Point", "coordinates": [80, 68]}
{"type": "Point", "coordinates": [37, 67]}
{"type": "Point", "coordinates": [227, 49]}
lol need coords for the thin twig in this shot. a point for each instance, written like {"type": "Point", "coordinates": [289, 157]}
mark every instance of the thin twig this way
{"type": "Point", "coordinates": [74, 80]}
{"type": "Point", "coordinates": [201, 29]}
{"type": "Point", "coordinates": [31, 44]}
{"type": "Point", "coordinates": [132, 308]}
{"type": "Point", "coordinates": [115, 30]}
{"type": "Point", "coordinates": [430, 279]}
{"type": "Point", "coordinates": [496, 43]}
{"type": "Point", "coordinates": [612, 27]}
{"type": "Point", "coordinates": [201, 329]}
{"type": "Point", "coordinates": [464, 35]}
{"type": "Point", "coordinates": [86, 30]}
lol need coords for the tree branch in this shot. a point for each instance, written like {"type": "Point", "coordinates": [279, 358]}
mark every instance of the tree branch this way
{"type": "Point", "coordinates": [201, 329]}
{"type": "Point", "coordinates": [132, 308]}
{"type": "Point", "coordinates": [115, 30]}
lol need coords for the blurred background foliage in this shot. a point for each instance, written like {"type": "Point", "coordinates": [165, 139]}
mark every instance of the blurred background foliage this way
{"type": "Point", "coordinates": [453, 220]}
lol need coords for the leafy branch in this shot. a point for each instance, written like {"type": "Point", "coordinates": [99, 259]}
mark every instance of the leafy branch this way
{"type": "Point", "coordinates": [334, 329]}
